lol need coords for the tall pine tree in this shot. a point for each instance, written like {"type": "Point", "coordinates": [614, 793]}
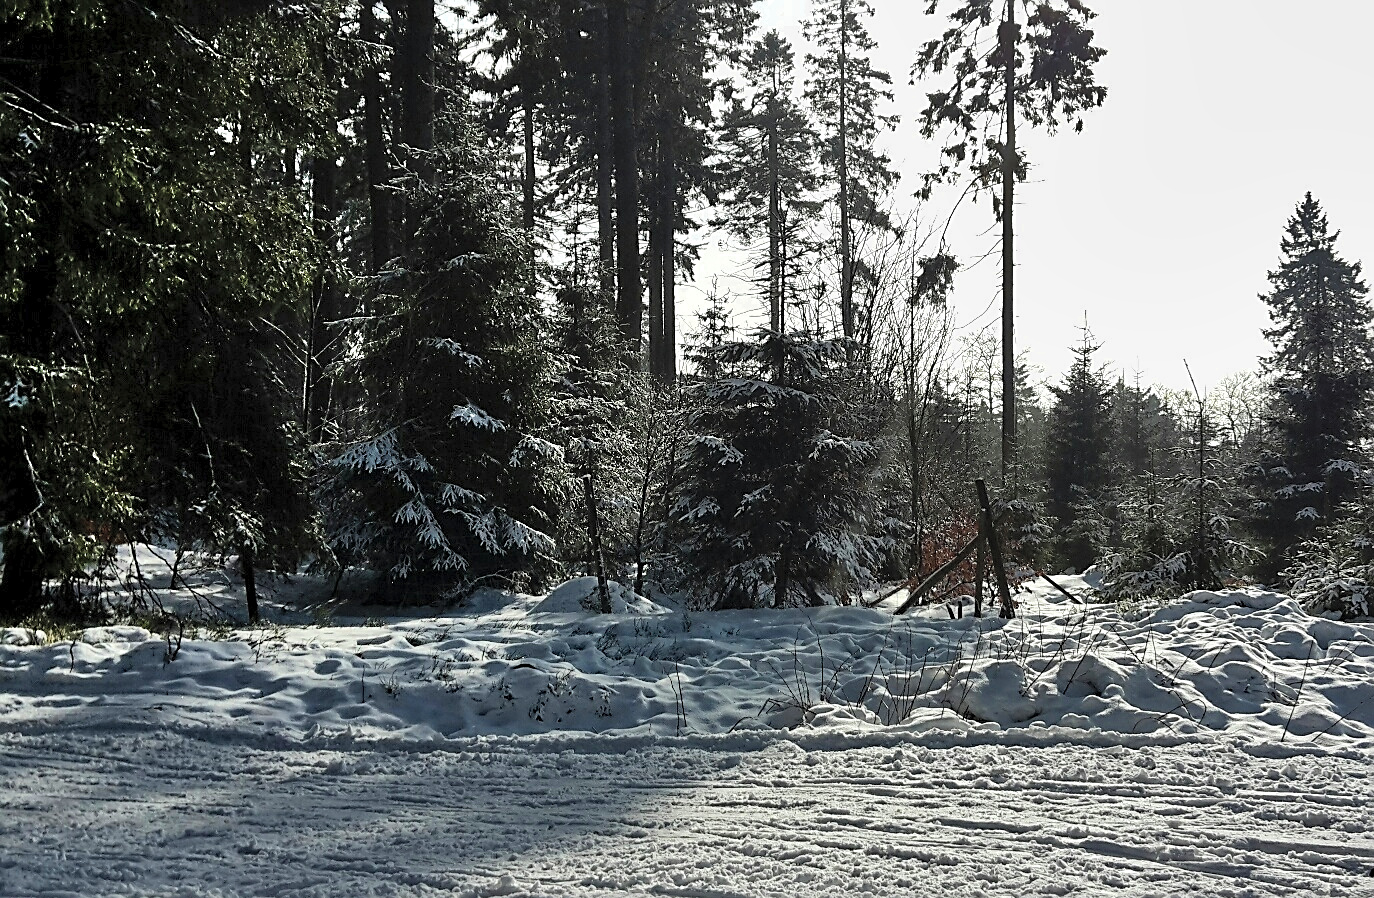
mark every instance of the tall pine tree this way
{"type": "Point", "coordinates": [1322, 379]}
{"type": "Point", "coordinates": [845, 90]}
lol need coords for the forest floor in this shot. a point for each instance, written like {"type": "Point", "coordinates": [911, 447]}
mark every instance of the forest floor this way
{"type": "Point", "coordinates": [1220, 745]}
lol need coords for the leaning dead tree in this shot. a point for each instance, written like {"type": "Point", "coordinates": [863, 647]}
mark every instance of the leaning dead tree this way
{"type": "Point", "coordinates": [988, 540]}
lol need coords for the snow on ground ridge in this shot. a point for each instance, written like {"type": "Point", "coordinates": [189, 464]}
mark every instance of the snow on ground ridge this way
{"type": "Point", "coordinates": [1245, 664]}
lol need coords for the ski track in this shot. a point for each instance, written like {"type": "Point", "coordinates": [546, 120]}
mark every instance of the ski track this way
{"type": "Point", "coordinates": [167, 813]}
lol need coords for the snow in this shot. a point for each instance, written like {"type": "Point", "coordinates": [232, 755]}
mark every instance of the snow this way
{"type": "Point", "coordinates": [525, 745]}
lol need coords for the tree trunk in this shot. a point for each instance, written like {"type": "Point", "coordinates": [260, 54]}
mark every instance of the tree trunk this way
{"type": "Point", "coordinates": [378, 171]}
{"type": "Point", "coordinates": [668, 245]}
{"type": "Point", "coordinates": [782, 582]}
{"type": "Point", "coordinates": [846, 249]}
{"type": "Point", "coordinates": [416, 61]}
{"type": "Point", "coordinates": [774, 232]}
{"type": "Point", "coordinates": [1009, 36]}
{"type": "Point", "coordinates": [605, 163]}
{"type": "Point", "coordinates": [325, 298]}
{"type": "Point", "coordinates": [527, 204]}
{"type": "Point", "coordinates": [629, 311]}
{"type": "Point", "coordinates": [656, 221]}
{"type": "Point", "coordinates": [527, 200]}
{"type": "Point", "coordinates": [21, 586]}
{"type": "Point", "coordinates": [594, 538]}
{"type": "Point", "coordinates": [250, 581]}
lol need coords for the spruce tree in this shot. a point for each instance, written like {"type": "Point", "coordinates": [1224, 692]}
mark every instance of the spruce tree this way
{"type": "Point", "coordinates": [1078, 457]}
{"type": "Point", "coordinates": [845, 91]}
{"type": "Point", "coordinates": [150, 212]}
{"type": "Point", "coordinates": [1322, 379]}
{"type": "Point", "coordinates": [777, 501]}
{"type": "Point", "coordinates": [768, 166]}
{"type": "Point", "coordinates": [1003, 74]}
{"type": "Point", "coordinates": [1333, 570]}
{"type": "Point", "coordinates": [446, 481]}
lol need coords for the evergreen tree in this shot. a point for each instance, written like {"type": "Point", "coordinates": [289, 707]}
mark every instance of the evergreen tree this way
{"type": "Point", "coordinates": [447, 481]}
{"type": "Point", "coordinates": [768, 167]}
{"type": "Point", "coordinates": [777, 499]}
{"type": "Point", "coordinates": [845, 91]}
{"type": "Point", "coordinates": [1078, 457]}
{"type": "Point", "coordinates": [1042, 74]}
{"type": "Point", "coordinates": [1333, 570]}
{"type": "Point", "coordinates": [149, 210]}
{"type": "Point", "coordinates": [1322, 379]}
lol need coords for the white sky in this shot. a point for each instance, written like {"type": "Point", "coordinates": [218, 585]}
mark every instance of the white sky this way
{"type": "Point", "coordinates": [1162, 218]}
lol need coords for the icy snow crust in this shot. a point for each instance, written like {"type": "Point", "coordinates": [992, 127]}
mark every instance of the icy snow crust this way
{"type": "Point", "coordinates": [525, 745]}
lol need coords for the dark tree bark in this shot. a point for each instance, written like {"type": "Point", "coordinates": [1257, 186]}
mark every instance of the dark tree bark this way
{"type": "Point", "coordinates": [846, 247]}
{"type": "Point", "coordinates": [415, 62]}
{"type": "Point", "coordinates": [668, 341]}
{"type": "Point", "coordinates": [1009, 33]}
{"type": "Point", "coordinates": [325, 295]}
{"type": "Point", "coordinates": [250, 581]}
{"type": "Point", "coordinates": [35, 334]}
{"type": "Point", "coordinates": [657, 218]}
{"type": "Point", "coordinates": [21, 587]}
{"type": "Point", "coordinates": [629, 301]}
{"type": "Point", "coordinates": [605, 162]}
{"type": "Point", "coordinates": [527, 199]}
{"type": "Point", "coordinates": [378, 170]}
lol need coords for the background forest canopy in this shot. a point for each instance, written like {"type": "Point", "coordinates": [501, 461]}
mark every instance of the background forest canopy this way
{"type": "Point", "coordinates": [392, 288]}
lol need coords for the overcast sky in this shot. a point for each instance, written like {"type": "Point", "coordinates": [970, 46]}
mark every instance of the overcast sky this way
{"type": "Point", "coordinates": [1162, 218]}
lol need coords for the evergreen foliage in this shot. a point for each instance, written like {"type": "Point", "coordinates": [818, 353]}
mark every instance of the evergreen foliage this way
{"type": "Point", "coordinates": [776, 503]}
{"type": "Point", "coordinates": [768, 169]}
{"type": "Point", "coordinates": [1321, 381]}
{"type": "Point", "coordinates": [447, 481]}
{"type": "Point", "coordinates": [1078, 458]}
{"type": "Point", "coordinates": [1054, 81]}
{"type": "Point", "coordinates": [1333, 571]}
{"type": "Point", "coordinates": [145, 218]}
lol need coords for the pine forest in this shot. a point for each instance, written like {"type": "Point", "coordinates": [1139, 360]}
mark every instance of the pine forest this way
{"type": "Point", "coordinates": [441, 371]}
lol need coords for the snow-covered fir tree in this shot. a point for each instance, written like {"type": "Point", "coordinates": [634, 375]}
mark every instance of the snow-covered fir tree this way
{"type": "Point", "coordinates": [447, 480]}
{"type": "Point", "coordinates": [1333, 571]}
{"type": "Point", "coordinates": [776, 505]}
{"type": "Point", "coordinates": [1321, 379]}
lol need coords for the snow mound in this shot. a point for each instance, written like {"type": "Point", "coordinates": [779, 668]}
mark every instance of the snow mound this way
{"type": "Point", "coordinates": [581, 596]}
{"type": "Point", "coordinates": [103, 635]}
{"type": "Point", "coordinates": [22, 636]}
{"type": "Point", "coordinates": [1244, 665]}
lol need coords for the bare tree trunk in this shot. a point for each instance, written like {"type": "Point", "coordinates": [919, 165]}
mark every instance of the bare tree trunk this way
{"type": "Point", "coordinates": [774, 233]}
{"type": "Point", "coordinates": [594, 537]}
{"type": "Point", "coordinates": [656, 223]}
{"type": "Point", "coordinates": [250, 581]}
{"type": "Point", "coordinates": [846, 250]}
{"type": "Point", "coordinates": [1009, 36]}
{"type": "Point", "coordinates": [629, 311]}
{"type": "Point", "coordinates": [994, 543]}
{"type": "Point", "coordinates": [378, 171]}
{"type": "Point", "coordinates": [416, 60]}
{"type": "Point", "coordinates": [980, 568]}
{"type": "Point", "coordinates": [527, 200]}
{"type": "Point", "coordinates": [325, 299]}
{"type": "Point", "coordinates": [605, 163]}
{"type": "Point", "coordinates": [668, 344]}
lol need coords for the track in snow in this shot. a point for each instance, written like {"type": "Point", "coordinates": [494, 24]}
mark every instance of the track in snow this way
{"type": "Point", "coordinates": [93, 814]}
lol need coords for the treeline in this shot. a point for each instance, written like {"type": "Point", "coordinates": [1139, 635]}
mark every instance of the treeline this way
{"type": "Point", "coordinates": [363, 286]}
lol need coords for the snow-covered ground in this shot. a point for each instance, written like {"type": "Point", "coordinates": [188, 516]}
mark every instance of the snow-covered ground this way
{"type": "Point", "coordinates": [523, 745]}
